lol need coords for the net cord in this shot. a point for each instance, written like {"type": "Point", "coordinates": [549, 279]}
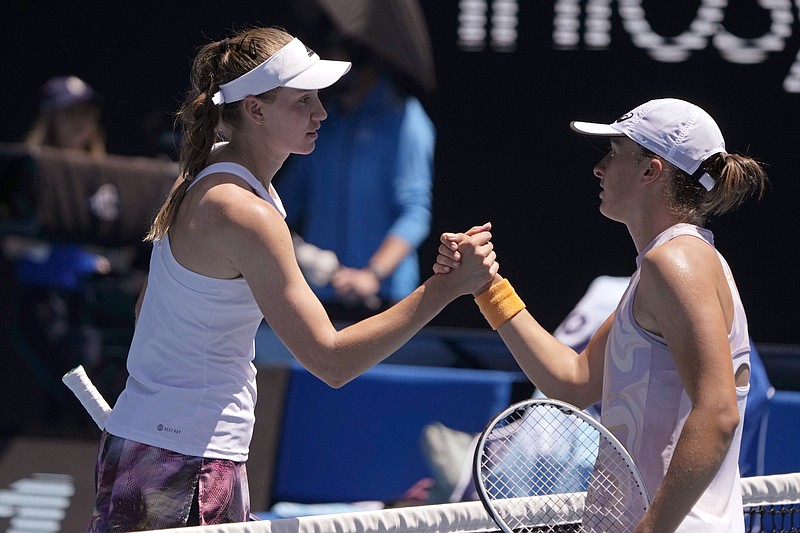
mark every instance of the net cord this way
{"type": "Point", "coordinates": [464, 517]}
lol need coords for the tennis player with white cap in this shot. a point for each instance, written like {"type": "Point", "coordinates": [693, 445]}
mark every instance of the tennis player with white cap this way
{"type": "Point", "coordinates": [175, 444]}
{"type": "Point", "coordinates": [670, 366]}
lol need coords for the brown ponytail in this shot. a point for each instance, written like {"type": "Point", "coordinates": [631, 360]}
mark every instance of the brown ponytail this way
{"type": "Point", "coordinates": [737, 177]}
{"type": "Point", "coordinates": [200, 119]}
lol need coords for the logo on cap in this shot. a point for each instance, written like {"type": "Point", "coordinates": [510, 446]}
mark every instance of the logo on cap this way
{"type": "Point", "coordinates": [624, 117]}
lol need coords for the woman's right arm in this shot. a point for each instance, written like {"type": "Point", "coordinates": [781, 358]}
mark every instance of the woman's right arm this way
{"type": "Point", "coordinates": [259, 246]}
{"type": "Point", "coordinates": [555, 368]}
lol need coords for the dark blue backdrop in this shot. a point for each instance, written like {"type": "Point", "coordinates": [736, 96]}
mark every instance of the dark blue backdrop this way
{"type": "Point", "coordinates": [504, 152]}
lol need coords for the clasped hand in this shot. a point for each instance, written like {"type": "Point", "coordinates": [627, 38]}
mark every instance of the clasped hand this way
{"type": "Point", "coordinates": [470, 256]}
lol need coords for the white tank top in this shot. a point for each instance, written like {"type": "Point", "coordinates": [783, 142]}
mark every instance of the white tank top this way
{"type": "Point", "coordinates": [191, 386]}
{"type": "Point", "coordinates": [645, 405]}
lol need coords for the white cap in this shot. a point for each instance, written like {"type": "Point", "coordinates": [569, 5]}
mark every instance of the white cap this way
{"type": "Point", "coordinates": [679, 131]}
{"type": "Point", "coordinates": [293, 66]}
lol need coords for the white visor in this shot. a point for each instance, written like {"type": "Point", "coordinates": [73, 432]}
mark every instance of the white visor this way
{"type": "Point", "coordinates": [293, 66]}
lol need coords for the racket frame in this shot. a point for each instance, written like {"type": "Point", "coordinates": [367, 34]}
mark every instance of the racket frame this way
{"type": "Point", "coordinates": [566, 408]}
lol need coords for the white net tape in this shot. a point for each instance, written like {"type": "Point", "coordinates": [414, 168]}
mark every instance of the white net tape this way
{"type": "Point", "coordinates": [467, 517]}
{"type": "Point", "coordinates": [777, 489]}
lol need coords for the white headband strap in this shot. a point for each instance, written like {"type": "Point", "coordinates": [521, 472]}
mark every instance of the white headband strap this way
{"type": "Point", "coordinates": [288, 62]}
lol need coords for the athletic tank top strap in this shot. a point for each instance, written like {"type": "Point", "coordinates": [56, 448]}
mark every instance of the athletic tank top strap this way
{"type": "Point", "coordinates": [227, 167]}
{"type": "Point", "coordinates": [676, 231]}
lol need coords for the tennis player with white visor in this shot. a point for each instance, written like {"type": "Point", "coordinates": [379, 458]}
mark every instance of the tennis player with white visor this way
{"type": "Point", "coordinates": [670, 366]}
{"type": "Point", "coordinates": [175, 443]}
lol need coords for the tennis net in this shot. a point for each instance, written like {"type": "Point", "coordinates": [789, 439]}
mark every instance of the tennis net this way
{"type": "Point", "coordinates": [771, 504]}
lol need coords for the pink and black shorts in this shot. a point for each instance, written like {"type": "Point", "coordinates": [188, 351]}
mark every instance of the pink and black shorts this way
{"type": "Point", "coordinates": [141, 487]}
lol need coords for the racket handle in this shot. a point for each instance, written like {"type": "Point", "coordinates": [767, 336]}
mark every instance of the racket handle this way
{"type": "Point", "coordinates": [91, 399]}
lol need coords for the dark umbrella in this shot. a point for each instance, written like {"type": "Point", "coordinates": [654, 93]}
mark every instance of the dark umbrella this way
{"type": "Point", "coordinates": [394, 30]}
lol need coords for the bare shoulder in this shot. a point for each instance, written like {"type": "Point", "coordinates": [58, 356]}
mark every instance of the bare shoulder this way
{"type": "Point", "coordinates": [682, 259]}
{"type": "Point", "coordinates": [674, 277]}
{"type": "Point", "coordinates": [221, 223]}
{"type": "Point", "coordinates": [227, 204]}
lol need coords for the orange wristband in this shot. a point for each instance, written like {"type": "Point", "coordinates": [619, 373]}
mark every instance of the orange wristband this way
{"type": "Point", "coordinates": [499, 304]}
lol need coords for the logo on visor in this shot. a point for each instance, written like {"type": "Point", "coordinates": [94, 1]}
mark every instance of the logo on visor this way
{"type": "Point", "coordinates": [624, 117]}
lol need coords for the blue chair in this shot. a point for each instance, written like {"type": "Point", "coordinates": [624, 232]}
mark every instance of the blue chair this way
{"type": "Point", "coordinates": [755, 416]}
{"type": "Point", "coordinates": [780, 453]}
{"type": "Point", "coordinates": [362, 442]}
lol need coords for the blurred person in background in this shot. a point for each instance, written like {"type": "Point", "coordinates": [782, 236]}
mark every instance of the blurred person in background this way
{"type": "Point", "coordinates": [365, 193]}
{"type": "Point", "coordinates": [364, 196]}
{"type": "Point", "coordinates": [69, 117]}
{"type": "Point", "coordinates": [52, 330]}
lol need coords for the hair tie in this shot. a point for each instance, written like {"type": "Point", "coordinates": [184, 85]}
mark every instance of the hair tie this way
{"type": "Point", "coordinates": [252, 49]}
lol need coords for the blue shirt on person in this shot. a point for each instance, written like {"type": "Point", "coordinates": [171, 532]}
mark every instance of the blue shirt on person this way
{"type": "Point", "coordinates": [370, 175]}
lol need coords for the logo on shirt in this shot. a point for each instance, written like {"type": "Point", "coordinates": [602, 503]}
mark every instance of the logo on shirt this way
{"type": "Point", "coordinates": [162, 427]}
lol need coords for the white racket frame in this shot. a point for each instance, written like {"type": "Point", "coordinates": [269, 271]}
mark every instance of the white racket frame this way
{"type": "Point", "coordinates": [527, 406]}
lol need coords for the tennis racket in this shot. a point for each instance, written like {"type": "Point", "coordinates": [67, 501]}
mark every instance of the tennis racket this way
{"type": "Point", "coordinates": [544, 465]}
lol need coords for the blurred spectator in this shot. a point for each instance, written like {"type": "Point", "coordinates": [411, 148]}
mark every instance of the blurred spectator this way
{"type": "Point", "coordinates": [69, 117]}
{"type": "Point", "coordinates": [52, 331]}
{"type": "Point", "coordinates": [361, 202]}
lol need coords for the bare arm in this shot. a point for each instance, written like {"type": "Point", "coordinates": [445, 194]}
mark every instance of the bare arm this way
{"type": "Point", "coordinates": [683, 297]}
{"type": "Point", "coordinates": [258, 244]}
{"type": "Point", "coordinates": [556, 369]}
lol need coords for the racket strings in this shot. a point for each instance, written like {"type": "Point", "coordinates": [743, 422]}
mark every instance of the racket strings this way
{"type": "Point", "coordinates": [553, 469]}
{"type": "Point", "coordinates": [529, 478]}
